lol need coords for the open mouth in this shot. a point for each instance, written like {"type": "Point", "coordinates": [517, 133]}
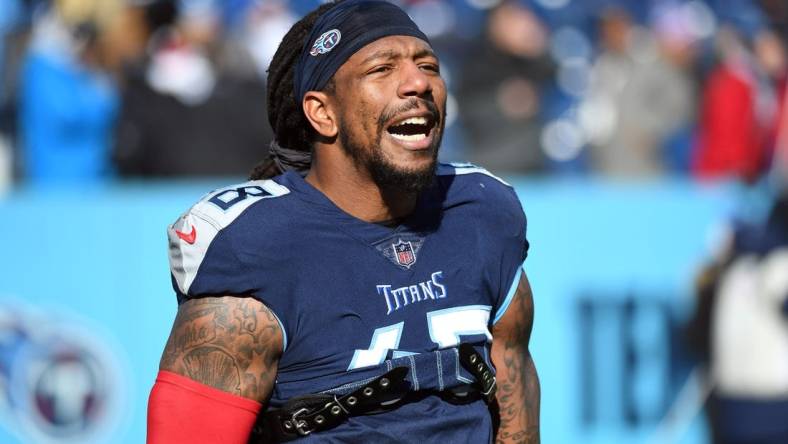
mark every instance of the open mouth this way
{"type": "Point", "coordinates": [412, 129]}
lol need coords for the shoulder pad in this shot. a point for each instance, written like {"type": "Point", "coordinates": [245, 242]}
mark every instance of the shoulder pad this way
{"type": "Point", "coordinates": [193, 232]}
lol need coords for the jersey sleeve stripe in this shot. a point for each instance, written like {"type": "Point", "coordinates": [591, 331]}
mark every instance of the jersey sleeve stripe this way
{"type": "Point", "coordinates": [281, 327]}
{"type": "Point", "coordinates": [469, 168]}
{"type": "Point", "coordinates": [509, 296]}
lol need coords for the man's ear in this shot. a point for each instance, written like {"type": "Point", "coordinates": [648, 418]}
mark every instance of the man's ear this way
{"type": "Point", "coordinates": [319, 112]}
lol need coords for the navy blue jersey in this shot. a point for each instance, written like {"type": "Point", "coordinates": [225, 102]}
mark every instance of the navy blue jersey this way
{"type": "Point", "coordinates": [350, 295]}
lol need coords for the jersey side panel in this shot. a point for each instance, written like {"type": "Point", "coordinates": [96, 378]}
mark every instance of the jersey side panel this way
{"type": "Point", "coordinates": [502, 229]}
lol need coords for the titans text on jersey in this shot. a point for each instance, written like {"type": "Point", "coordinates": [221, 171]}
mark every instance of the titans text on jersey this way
{"type": "Point", "coordinates": [422, 291]}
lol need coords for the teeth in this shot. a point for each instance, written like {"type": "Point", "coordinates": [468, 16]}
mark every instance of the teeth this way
{"type": "Point", "coordinates": [414, 121]}
{"type": "Point", "coordinates": [409, 138]}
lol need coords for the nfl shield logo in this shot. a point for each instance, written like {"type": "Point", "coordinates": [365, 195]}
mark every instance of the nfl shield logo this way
{"type": "Point", "coordinates": [403, 252]}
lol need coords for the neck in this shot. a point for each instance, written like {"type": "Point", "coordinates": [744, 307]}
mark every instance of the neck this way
{"type": "Point", "coordinates": [355, 193]}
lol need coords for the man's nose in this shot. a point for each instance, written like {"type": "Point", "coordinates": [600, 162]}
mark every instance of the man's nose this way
{"type": "Point", "coordinates": [414, 81]}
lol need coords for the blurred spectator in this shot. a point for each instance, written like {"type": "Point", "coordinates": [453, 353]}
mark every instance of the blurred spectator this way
{"type": "Point", "coordinates": [641, 93]}
{"type": "Point", "coordinates": [194, 105]}
{"type": "Point", "coordinates": [499, 90]}
{"type": "Point", "coordinates": [780, 160]}
{"type": "Point", "coordinates": [741, 328]}
{"type": "Point", "coordinates": [67, 100]}
{"type": "Point", "coordinates": [740, 109]}
{"type": "Point", "coordinates": [265, 23]}
{"type": "Point", "coordinates": [11, 13]}
{"type": "Point", "coordinates": [777, 12]}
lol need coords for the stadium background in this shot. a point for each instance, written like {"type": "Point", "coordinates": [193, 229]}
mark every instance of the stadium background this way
{"type": "Point", "coordinates": [112, 114]}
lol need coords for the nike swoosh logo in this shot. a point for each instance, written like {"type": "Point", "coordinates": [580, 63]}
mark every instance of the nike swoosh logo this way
{"type": "Point", "coordinates": [188, 238]}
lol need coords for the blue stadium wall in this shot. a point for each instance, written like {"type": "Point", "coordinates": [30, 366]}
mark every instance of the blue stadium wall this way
{"type": "Point", "coordinates": [86, 305]}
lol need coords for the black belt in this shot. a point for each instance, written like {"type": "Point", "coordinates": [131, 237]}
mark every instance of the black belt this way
{"type": "Point", "coordinates": [472, 361]}
{"type": "Point", "coordinates": [304, 415]}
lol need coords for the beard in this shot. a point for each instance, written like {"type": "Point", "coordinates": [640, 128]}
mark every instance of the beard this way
{"type": "Point", "coordinates": [386, 175]}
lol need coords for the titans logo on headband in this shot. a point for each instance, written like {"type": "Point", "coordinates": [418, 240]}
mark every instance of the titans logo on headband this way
{"type": "Point", "coordinates": [326, 42]}
{"type": "Point", "coordinates": [362, 22]}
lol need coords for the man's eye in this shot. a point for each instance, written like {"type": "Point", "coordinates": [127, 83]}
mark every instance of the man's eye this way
{"type": "Point", "coordinates": [430, 67]}
{"type": "Point", "coordinates": [379, 69]}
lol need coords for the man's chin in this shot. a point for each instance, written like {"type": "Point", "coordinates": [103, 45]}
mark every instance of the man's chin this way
{"type": "Point", "coordinates": [407, 180]}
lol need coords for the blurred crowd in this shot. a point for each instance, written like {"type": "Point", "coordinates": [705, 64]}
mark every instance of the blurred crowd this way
{"type": "Point", "coordinates": [94, 90]}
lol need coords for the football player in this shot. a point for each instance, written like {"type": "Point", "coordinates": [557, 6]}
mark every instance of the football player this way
{"type": "Point", "coordinates": [354, 290]}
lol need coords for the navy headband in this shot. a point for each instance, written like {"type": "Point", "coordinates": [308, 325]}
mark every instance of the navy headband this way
{"type": "Point", "coordinates": [340, 32]}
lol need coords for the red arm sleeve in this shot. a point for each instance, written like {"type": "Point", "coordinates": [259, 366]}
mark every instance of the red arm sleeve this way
{"type": "Point", "coordinates": [181, 410]}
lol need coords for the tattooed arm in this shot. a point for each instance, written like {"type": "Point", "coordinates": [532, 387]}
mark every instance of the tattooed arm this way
{"type": "Point", "coordinates": [229, 343]}
{"type": "Point", "coordinates": [518, 385]}
{"type": "Point", "coordinates": [217, 371]}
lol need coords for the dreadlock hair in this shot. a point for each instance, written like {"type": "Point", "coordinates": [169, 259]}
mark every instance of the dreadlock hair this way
{"type": "Point", "coordinates": [291, 129]}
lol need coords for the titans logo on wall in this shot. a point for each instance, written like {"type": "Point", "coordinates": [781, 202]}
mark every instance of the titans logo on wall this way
{"type": "Point", "coordinates": [58, 382]}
